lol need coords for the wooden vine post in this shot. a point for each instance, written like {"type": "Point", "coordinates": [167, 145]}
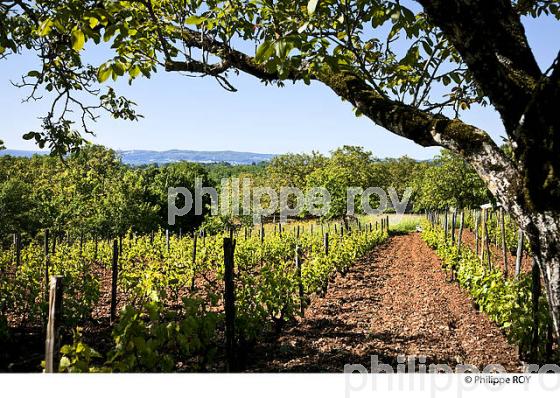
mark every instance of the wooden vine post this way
{"type": "Point", "coordinates": [54, 242]}
{"type": "Point", "coordinates": [114, 278]}
{"type": "Point", "coordinates": [476, 227]}
{"type": "Point", "coordinates": [262, 230]}
{"type": "Point", "coordinates": [504, 246]}
{"type": "Point", "coordinates": [482, 238]}
{"type": "Point", "coordinates": [497, 232]}
{"type": "Point", "coordinates": [487, 242]}
{"type": "Point", "coordinates": [52, 341]}
{"type": "Point", "coordinates": [460, 233]}
{"type": "Point", "coordinates": [453, 223]}
{"type": "Point", "coordinates": [445, 226]}
{"type": "Point", "coordinates": [535, 294]}
{"type": "Point", "coordinates": [300, 282]}
{"type": "Point", "coordinates": [229, 303]}
{"type": "Point", "coordinates": [326, 243]}
{"type": "Point", "coordinates": [47, 260]}
{"type": "Point", "coordinates": [519, 254]}
{"type": "Point", "coordinates": [195, 239]}
{"type": "Point", "coordinates": [95, 247]}
{"type": "Point", "coordinates": [17, 242]}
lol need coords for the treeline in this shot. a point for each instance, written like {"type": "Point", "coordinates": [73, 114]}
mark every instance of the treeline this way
{"type": "Point", "coordinates": [93, 192]}
{"type": "Point", "coordinates": [444, 182]}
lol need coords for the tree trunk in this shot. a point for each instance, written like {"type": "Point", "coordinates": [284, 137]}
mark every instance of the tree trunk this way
{"type": "Point", "coordinates": [543, 234]}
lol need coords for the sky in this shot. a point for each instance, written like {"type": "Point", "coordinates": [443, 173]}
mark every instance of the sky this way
{"type": "Point", "coordinates": [197, 114]}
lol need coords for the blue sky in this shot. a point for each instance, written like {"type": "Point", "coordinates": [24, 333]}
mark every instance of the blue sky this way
{"type": "Point", "coordinates": [197, 114]}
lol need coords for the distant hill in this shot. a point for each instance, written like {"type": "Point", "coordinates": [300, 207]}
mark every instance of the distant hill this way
{"type": "Point", "coordinates": [23, 154]}
{"type": "Point", "coordinates": [139, 157]}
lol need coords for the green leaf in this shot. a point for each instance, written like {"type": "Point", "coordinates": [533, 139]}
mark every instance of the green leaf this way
{"type": "Point", "coordinates": [93, 22]}
{"type": "Point", "coordinates": [264, 51]}
{"type": "Point", "coordinates": [194, 20]}
{"type": "Point", "coordinates": [64, 363]}
{"type": "Point", "coordinates": [303, 27]}
{"type": "Point", "coordinates": [109, 32]}
{"type": "Point", "coordinates": [78, 40]}
{"type": "Point", "coordinates": [456, 77]}
{"type": "Point", "coordinates": [311, 6]}
{"type": "Point", "coordinates": [281, 48]}
{"type": "Point", "coordinates": [45, 27]}
{"type": "Point", "coordinates": [134, 72]}
{"type": "Point", "coordinates": [427, 48]}
{"type": "Point", "coordinates": [118, 68]}
{"type": "Point", "coordinates": [103, 73]}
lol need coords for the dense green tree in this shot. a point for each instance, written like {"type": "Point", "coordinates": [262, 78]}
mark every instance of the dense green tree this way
{"type": "Point", "coordinates": [449, 182]}
{"type": "Point", "coordinates": [92, 193]}
{"type": "Point", "coordinates": [292, 169]}
{"type": "Point", "coordinates": [181, 174]}
{"type": "Point", "coordinates": [219, 171]}
{"type": "Point", "coordinates": [347, 167]}
{"type": "Point", "coordinates": [17, 210]}
{"type": "Point", "coordinates": [400, 173]}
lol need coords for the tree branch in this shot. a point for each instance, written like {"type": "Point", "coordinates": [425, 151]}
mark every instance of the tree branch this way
{"type": "Point", "coordinates": [538, 145]}
{"type": "Point", "coordinates": [491, 40]}
{"type": "Point", "coordinates": [424, 128]}
{"type": "Point", "coordinates": [230, 59]}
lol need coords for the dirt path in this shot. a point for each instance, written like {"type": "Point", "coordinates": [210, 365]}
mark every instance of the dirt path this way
{"type": "Point", "coordinates": [395, 302]}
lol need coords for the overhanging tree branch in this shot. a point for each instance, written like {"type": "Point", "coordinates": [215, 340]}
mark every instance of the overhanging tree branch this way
{"type": "Point", "coordinates": [424, 128]}
{"type": "Point", "coordinates": [491, 40]}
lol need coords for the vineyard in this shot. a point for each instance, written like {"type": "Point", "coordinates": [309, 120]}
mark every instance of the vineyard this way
{"type": "Point", "coordinates": [512, 301]}
{"type": "Point", "coordinates": [165, 302]}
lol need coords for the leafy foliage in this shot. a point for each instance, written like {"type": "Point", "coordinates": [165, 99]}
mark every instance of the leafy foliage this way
{"type": "Point", "coordinates": [391, 44]}
{"type": "Point", "coordinates": [449, 182]}
{"type": "Point", "coordinates": [507, 301]}
{"type": "Point", "coordinates": [165, 320]}
{"type": "Point", "coordinates": [90, 193]}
